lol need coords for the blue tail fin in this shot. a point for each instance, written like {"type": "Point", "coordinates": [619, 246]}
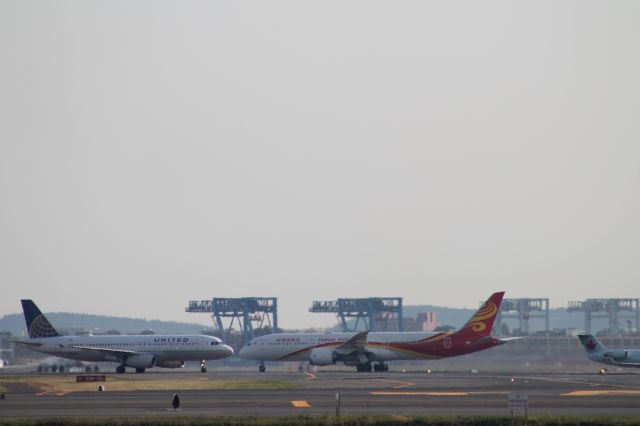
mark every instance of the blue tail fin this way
{"type": "Point", "coordinates": [37, 324]}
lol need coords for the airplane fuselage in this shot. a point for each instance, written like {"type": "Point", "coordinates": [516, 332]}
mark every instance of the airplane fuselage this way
{"type": "Point", "coordinates": [162, 347]}
{"type": "Point", "coordinates": [384, 346]}
{"type": "Point", "coordinates": [136, 351]}
{"type": "Point", "coordinates": [619, 357]}
{"type": "Point", "coordinates": [369, 351]}
{"type": "Point", "coordinates": [598, 352]}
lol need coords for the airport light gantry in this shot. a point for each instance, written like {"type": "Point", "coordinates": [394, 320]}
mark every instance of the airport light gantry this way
{"type": "Point", "coordinates": [523, 310]}
{"type": "Point", "coordinates": [246, 311]}
{"type": "Point", "coordinates": [613, 310]}
{"type": "Point", "coordinates": [373, 313]}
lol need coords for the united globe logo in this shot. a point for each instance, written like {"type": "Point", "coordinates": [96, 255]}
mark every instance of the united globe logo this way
{"type": "Point", "coordinates": [40, 327]}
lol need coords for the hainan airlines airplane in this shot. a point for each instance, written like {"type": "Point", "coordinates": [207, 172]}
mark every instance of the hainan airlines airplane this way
{"type": "Point", "coordinates": [371, 350]}
{"type": "Point", "coordinates": [136, 351]}
{"type": "Point", "coordinates": [599, 353]}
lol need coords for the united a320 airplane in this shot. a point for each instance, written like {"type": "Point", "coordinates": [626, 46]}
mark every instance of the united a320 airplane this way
{"type": "Point", "coordinates": [136, 351]}
{"type": "Point", "coordinates": [599, 353]}
{"type": "Point", "coordinates": [371, 350]}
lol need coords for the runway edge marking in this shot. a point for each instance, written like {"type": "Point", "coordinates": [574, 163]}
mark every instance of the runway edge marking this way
{"type": "Point", "coordinates": [400, 384]}
{"type": "Point", "coordinates": [601, 392]}
{"type": "Point", "coordinates": [434, 393]}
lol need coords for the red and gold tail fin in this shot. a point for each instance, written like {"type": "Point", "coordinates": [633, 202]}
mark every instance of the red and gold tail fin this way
{"type": "Point", "coordinates": [481, 323]}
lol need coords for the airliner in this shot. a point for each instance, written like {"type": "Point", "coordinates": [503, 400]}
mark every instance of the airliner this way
{"type": "Point", "coordinates": [134, 351]}
{"type": "Point", "coordinates": [369, 351]}
{"type": "Point", "coordinates": [599, 353]}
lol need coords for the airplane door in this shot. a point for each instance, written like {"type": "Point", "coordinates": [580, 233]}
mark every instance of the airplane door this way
{"type": "Point", "coordinates": [447, 342]}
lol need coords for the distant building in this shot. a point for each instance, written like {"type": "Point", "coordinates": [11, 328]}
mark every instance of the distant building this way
{"type": "Point", "coordinates": [424, 321]}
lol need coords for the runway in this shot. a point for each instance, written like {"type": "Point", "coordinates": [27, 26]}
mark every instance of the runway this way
{"type": "Point", "coordinates": [360, 393]}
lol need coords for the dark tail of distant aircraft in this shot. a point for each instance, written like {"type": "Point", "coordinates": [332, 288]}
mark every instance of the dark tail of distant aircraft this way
{"type": "Point", "coordinates": [37, 324]}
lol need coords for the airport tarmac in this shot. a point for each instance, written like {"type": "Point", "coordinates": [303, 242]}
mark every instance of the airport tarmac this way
{"type": "Point", "coordinates": [394, 393]}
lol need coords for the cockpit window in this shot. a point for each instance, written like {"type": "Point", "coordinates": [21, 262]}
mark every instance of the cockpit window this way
{"type": "Point", "coordinates": [215, 342]}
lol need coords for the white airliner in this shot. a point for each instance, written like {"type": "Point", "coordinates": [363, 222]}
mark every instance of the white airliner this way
{"type": "Point", "coordinates": [370, 350]}
{"type": "Point", "coordinates": [136, 351]}
{"type": "Point", "coordinates": [599, 353]}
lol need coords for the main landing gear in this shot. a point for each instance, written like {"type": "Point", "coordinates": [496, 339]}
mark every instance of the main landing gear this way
{"type": "Point", "coordinates": [120, 369]}
{"type": "Point", "coordinates": [367, 367]}
{"type": "Point", "coordinates": [203, 369]}
{"type": "Point", "coordinates": [363, 367]}
{"type": "Point", "coordinates": [261, 367]}
{"type": "Point", "coordinates": [381, 366]}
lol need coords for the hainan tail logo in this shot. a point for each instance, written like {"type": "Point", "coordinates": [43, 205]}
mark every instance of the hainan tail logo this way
{"type": "Point", "coordinates": [41, 327]}
{"type": "Point", "coordinates": [478, 323]}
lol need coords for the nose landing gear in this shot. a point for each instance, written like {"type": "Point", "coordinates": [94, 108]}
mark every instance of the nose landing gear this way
{"type": "Point", "coordinates": [261, 367]}
{"type": "Point", "coordinates": [203, 368]}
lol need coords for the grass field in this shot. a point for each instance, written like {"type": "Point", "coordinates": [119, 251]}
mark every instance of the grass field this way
{"type": "Point", "coordinates": [67, 383]}
{"type": "Point", "coordinates": [330, 421]}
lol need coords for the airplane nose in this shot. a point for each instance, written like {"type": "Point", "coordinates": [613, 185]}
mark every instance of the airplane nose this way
{"type": "Point", "coordinates": [244, 351]}
{"type": "Point", "coordinates": [228, 350]}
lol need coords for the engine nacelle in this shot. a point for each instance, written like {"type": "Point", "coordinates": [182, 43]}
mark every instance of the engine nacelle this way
{"type": "Point", "coordinates": [170, 364]}
{"type": "Point", "coordinates": [323, 356]}
{"type": "Point", "coordinates": [619, 354]}
{"type": "Point", "coordinates": [141, 361]}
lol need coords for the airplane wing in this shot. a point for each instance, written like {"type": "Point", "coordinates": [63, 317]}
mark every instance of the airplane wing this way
{"type": "Point", "coordinates": [117, 352]}
{"type": "Point", "coordinates": [356, 344]}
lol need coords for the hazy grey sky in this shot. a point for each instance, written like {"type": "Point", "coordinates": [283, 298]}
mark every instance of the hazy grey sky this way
{"type": "Point", "coordinates": [157, 152]}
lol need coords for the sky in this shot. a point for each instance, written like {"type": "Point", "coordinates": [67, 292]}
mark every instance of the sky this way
{"type": "Point", "coordinates": [156, 152]}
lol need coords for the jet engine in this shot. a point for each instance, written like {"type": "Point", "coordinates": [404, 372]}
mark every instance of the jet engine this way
{"type": "Point", "coordinates": [618, 355]}
{"type": "Point", "coordinates": [170, 364]}
{"type": "Point", "coordinates": [141, 361]}
{"type": "Point", "coordinates": [323, 356]}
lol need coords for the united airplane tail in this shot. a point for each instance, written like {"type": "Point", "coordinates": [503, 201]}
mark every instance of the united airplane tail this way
{"type": "Point", "coordinates": [37, 324]}
{"type": "Point", "coordinates": [480, 324]}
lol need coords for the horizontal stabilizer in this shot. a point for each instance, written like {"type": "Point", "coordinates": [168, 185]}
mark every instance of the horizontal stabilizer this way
{"type": "Point", "coordinates": [508, 339]}
{"type": "Point", "coordinates": [22, 342]}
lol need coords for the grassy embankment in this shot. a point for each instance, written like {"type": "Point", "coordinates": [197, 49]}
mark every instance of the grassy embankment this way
{"type": "Point", "coordinates": [329, 421]}
{"type": "Point", "coordinates": [67, 383]}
